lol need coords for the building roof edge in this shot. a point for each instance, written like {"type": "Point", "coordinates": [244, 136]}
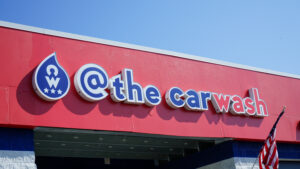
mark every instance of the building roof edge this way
{"type": "Point", "coordinates": [140, 48]}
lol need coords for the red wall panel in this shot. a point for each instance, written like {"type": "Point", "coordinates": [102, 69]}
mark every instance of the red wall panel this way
{"type": "Point", "coordinates": [22, 51]}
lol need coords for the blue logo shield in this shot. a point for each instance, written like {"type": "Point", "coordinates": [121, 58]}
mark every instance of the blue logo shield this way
{"type": "Point", "coordinates": [50, 81]}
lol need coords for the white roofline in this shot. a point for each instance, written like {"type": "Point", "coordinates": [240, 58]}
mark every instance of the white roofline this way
{"type": "Point", "coordinates": [141, 48]}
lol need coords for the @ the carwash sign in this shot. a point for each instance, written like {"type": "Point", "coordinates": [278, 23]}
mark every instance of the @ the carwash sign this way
{"type": "Point", "coordinates": [91, 81]}
{"type": "Point", "coordinates": [50, 81]}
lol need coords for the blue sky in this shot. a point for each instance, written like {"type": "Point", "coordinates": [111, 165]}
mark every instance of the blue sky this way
{"type": "Point", "coordinates": [259, 33]}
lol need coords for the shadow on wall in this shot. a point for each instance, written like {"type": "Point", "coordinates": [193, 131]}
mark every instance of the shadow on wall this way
{"type": "Point", "coordinates": [28, 99]}
{"type": "Point", "coordinates": [108, 106]}
{"type": "Point", "coordinates": [241, 120]}
{"type": "Point", "coordinates": [183, 115]}
{"type": "Point", "coordinates": [75, 104]}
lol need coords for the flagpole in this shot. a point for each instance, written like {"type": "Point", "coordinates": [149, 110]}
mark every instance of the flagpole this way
{"type": "Point", "coordinates": [255, 161]}
{"type": "Point", "coordinates": [283, 110]}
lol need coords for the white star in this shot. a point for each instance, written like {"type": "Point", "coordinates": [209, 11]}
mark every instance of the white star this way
{"type": "Point", "coordinates": [53, 91]}
{"type": "Point", "coordinates": [59, 91]}
{"type": "Point", "coordinates": [46, 90]}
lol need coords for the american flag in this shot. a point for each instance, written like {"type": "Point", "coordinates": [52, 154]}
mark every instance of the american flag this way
{"type": "Point", "coordinates": [268, 156]}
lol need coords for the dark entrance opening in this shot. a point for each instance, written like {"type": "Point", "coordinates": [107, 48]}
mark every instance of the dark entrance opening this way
{"type": "Point", "coordinates": [88, 149]}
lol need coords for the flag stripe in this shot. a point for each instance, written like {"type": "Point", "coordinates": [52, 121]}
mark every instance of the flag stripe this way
{"type": "Point", "coordinates": [271, 153]}
{"type": "Point", "coordinates": [268, 156]}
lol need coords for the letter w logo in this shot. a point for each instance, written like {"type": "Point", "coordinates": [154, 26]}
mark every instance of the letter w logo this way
{"type": "Point", "coordinates": [52, 82]}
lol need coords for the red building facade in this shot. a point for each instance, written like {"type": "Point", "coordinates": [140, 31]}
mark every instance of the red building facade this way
{"type": "Point", "coordinates": [119, 87]}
